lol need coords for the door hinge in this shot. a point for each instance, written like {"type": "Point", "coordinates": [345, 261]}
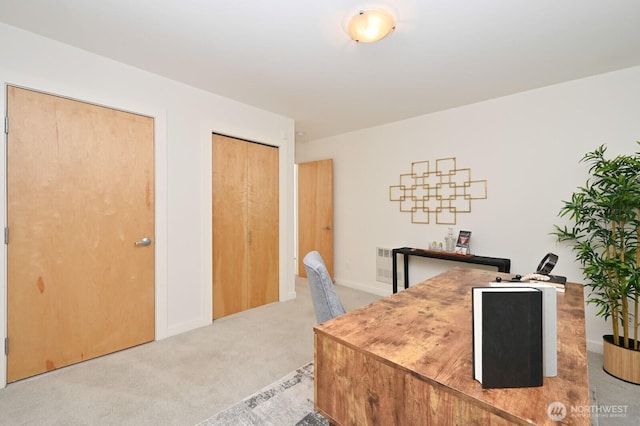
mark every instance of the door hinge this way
{"type": "Point", "coordinates": [6, 124]}
{"type": "Point", "coordinates": [6, 235]}
{"type": "Point", "coordinates": [6, 346]}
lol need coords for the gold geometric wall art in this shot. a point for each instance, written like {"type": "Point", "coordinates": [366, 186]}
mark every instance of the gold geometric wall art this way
{"type": "Point", "coordinates": [440, 189]}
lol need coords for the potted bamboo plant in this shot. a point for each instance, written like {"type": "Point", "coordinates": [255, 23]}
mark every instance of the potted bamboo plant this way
{"type": "Point", "coordinates": [605, 214]}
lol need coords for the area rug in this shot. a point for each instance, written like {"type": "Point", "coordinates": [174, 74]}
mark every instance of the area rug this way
{"type": "Point", "coordinates": [287, 402]}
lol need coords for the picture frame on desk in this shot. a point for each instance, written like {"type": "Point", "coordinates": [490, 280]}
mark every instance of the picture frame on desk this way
{"type": "Point", "coordinates": [462, 245]}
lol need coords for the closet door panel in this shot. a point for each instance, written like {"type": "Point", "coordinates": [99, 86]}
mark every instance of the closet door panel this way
{"type": "Point", "coordinates": [230, 274]}
{"type": "Point", "coordinates": [263, 224]}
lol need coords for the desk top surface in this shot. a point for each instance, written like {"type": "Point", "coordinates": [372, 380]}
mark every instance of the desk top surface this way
{"type": "Point", "coordinates": [427, 331]}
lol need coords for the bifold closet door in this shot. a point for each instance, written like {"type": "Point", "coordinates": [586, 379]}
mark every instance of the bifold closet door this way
{"type": "Point", "coordinates": [262, 224]}
{"type": "Point", "coordinates": [229, 226]}
{"type": "Point", "coordinates": [245, 225]}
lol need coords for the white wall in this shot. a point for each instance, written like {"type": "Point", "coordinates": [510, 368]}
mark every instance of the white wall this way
{"type": "Point", "coordinates": [526, 145]}
{"type": "Point", "coordinates": [185, 117]}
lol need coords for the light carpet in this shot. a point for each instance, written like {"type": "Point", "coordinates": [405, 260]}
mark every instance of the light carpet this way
{"type": "Point", "coordinates": [287, 402]}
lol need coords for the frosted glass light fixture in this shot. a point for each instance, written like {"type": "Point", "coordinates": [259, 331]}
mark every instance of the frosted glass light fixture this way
{"type": "Point", "coordinates": [371, 25]}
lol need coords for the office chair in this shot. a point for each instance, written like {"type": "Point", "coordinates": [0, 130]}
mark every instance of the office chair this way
{"type": "Point", "coordinates": [326, 302]}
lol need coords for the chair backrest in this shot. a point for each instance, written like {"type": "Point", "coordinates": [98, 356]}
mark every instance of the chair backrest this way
{"type": "Point", "coordinates": [325, 299]}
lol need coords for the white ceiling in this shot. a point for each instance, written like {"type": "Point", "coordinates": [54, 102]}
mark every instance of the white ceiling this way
{"type": "Point", "coordinates": [294, 58]}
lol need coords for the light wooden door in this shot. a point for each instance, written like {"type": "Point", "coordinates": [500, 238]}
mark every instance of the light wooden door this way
{"type": "Point", "coordinates": [229, 226]}
{"type": "Point", "coordinates": [80, 194]}
{"type": "Point", "coordinates": [262, 224]}
{"type": "Point", "coordinates": [315, 212]}
{"type": "Point", "coordinates": [245, 225]}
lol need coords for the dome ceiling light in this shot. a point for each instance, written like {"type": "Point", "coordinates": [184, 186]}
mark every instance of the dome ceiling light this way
{"type": "Point", "coordinates": [371, 25]}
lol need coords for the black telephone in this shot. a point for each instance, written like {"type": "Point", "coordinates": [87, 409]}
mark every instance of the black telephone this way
{"type": "Point", "coordinates": [545, 266]}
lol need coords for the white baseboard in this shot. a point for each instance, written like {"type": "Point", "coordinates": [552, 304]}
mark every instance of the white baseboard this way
{"type": "Point", "coordinates": [595, 346]}
{"type": "Point", "coordinates": [289, 296]}
{"type": "Point", "coordinates": [187, 326]}
{"type": "Point", "coordinates": [381, 289]}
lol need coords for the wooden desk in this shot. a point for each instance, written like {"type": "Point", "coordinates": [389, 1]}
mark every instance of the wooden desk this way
{"type": "Point", "coordinates": [407, 360]}
{"type": "Point", "coordinates": [503, 265]}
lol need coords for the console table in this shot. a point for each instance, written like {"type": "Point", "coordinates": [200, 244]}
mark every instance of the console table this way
{"type": "Point", "coordinates": [407, 359]}
{"type": "Point", "coordinates": [503, 265]}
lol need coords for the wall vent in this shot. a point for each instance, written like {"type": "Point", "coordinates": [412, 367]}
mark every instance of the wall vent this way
{"type": "Point", "coordinates": [384, 266]}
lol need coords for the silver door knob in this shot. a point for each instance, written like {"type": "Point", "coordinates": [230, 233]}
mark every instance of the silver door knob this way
{"type": "Point", "coordinates": [143, 242]}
